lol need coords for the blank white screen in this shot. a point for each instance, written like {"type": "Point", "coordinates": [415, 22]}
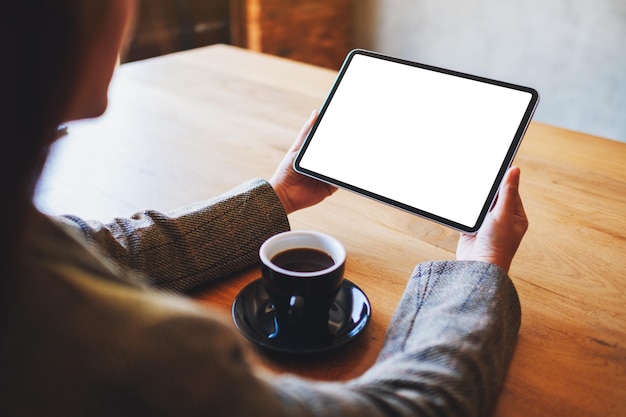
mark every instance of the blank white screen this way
{"type": "Point", "coordinates": [429, 140]}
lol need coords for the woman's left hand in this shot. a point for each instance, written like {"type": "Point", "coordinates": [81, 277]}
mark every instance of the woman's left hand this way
{"type": "Point", "coordinates": [297, 191]}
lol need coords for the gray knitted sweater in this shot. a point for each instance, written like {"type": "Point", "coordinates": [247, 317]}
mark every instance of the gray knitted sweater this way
{"type": "Point", "coordinates": [91, 333]}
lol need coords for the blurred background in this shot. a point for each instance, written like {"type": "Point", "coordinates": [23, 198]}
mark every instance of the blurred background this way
{"type": "Point", "coordinates": [572, 51]}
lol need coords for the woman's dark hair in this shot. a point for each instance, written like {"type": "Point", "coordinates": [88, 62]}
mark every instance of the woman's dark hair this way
{"type": "Point", "coordinates": [42, 43]}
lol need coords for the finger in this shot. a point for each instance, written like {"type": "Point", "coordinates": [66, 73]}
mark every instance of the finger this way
{"type": "Point", "coordinates": [519, 208]}
{"type": "Point", "coordinates": [508, 198]}
{"type": "Point", "coordinates": [519, 213]}
{"type": "Point", "coordinates": [304, 131]}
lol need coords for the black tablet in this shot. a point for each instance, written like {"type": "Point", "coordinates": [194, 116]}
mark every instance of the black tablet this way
{"type": "Point", "coordinates": [428, 140]}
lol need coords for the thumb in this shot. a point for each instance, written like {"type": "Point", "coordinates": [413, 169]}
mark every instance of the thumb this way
{"type": "Point", "coordinates": [508, 196]}
{"type": "Point", "coordinates": [304, 131]}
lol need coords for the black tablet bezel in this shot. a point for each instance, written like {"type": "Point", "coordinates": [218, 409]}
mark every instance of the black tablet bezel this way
{"type": "Point", "coordinates": [515, 141]}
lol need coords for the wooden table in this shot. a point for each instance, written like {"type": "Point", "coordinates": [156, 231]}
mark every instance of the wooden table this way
{"type": "Point", "coordinates": [188, 126]}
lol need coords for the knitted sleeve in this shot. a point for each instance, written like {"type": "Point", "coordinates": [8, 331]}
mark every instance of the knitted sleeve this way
{"type": "Point", "coordinates": [446, 353]}
{"type": "Point", "coordinates": [191, 245]}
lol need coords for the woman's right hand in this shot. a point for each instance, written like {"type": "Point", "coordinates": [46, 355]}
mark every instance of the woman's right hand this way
{"type": "Point", "coordinates": [503, 229]}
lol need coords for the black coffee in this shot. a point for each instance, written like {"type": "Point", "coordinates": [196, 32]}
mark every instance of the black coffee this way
{"type": "Point", "coordinates": [303, 260]}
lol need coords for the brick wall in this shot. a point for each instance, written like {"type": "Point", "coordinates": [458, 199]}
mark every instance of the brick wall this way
{"type": "Point", "coordinates": [319, 32]}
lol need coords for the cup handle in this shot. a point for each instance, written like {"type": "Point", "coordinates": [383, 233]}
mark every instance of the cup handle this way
{"type": "Point", "coordinates": [296, 307]}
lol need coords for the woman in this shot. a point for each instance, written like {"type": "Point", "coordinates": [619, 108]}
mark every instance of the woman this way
{"type": "Point", "coordinates": [86, 329]}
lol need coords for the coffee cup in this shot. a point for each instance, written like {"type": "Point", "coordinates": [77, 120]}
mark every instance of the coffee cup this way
{"type": "Point", "coordinates": [302, 272]}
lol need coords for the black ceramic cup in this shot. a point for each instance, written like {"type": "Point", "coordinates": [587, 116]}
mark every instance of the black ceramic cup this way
{"type": "Point", "coordinates": [302, 273]}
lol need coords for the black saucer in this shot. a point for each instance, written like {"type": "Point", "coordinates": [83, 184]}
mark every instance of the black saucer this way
{"type": "Point", "coordinates": [254, 317]}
